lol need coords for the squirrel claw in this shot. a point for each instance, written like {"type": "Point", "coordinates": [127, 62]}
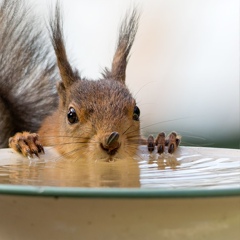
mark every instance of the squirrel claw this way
{"type": "Point", "coordinates": [171, 148]}
{"type": "Point", "coordinates": [160, 149]}
{"type": "Point", "coordinates": [26, 143]}
{"type": "Point", "coordinates": [40, 147]}
{"type": "Point", "coordinates": [150, 143]}
{"type": "Point", "coordinates": [172, 142]}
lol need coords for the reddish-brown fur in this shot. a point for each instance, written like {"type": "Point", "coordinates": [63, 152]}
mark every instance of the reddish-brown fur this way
{"type": "Point", "coordinates": [98, 119]}
{"type": "Point", "coordinates": [101, 107]}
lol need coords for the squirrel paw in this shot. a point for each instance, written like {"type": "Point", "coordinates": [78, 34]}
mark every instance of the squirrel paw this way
{"type": "Point", "coordinates": [172, 142]}
{"type": "Point", "coordinates": [26, 143]}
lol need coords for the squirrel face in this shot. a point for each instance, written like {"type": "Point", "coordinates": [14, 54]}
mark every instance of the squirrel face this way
{"type": "Point", "coordinates": [100, 119]}
{"type": "Point", "coordinates": [97, 118]}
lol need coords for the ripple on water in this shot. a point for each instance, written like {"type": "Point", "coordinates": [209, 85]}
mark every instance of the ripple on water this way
{"type": "Point", "coordinates": [188, 168]}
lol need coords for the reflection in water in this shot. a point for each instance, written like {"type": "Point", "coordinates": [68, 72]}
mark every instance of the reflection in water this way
{"type": "Point", "coordinates": [163, 161]}
{"type": "Point", "coordinates": [187, 168]}
{"type": "Point", "coordinates": [75, 173]}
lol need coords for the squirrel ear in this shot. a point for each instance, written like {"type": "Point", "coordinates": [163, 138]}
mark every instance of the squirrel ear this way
{"type": "Point", "coordinates": [127, 32]}
{"type": "Point", "coordinates": [56, 31]}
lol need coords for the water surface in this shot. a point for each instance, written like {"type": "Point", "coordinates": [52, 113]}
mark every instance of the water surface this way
{"type": "Point", "coordinates": [188, 168]}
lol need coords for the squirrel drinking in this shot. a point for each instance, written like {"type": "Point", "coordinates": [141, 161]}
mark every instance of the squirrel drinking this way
{"type": "Point", "coordinates": [98, 118]}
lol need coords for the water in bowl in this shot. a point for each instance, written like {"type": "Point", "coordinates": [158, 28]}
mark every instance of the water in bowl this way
{"type": "Point", "coordinates": [188, 168]}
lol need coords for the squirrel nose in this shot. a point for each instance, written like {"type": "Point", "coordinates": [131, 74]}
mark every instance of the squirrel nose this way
{"type": "Point", "coordinates": [111, 144]}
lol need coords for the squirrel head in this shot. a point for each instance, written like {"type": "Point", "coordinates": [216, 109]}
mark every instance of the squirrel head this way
{"type": "Point", "coordinates": [99, 118]}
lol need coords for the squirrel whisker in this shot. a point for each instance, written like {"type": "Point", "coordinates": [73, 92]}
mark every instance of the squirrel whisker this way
{"type": "Point", "coordinates": [66, 154]}
{"type": "Point", "coordinates": [67, 143]}
{"type": "Point", "coordinates": [127, 129]}
{"type": "Point", "coordinates": [165, 121]}
{"type": "Point", "coordinates": [72, 137]}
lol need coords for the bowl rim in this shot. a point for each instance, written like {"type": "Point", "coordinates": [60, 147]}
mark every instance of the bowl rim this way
{"type": "Point", "coordinates": [80, 192]}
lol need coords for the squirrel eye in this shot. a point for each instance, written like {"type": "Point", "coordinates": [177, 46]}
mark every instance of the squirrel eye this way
{"type": "Point", "coordinates": [72, 116]}
{"type": "Point", "coordinates": [136, 113]}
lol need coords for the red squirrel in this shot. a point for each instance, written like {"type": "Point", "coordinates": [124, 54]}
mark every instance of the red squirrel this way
{"type": "Point", "coordinates": [98, 118]}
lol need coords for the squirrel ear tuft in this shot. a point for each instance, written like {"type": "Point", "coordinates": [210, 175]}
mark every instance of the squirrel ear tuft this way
{"type": "Point", "coordinates": [127, 33]}
{"type": "Point", "coordinates": [61, 92]}
{"type": "Point", "coordinates": [56, 31]}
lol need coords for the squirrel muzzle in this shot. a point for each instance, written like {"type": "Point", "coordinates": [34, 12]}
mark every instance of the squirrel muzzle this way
{"type": "Point", "coordinates": [111, 144]}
